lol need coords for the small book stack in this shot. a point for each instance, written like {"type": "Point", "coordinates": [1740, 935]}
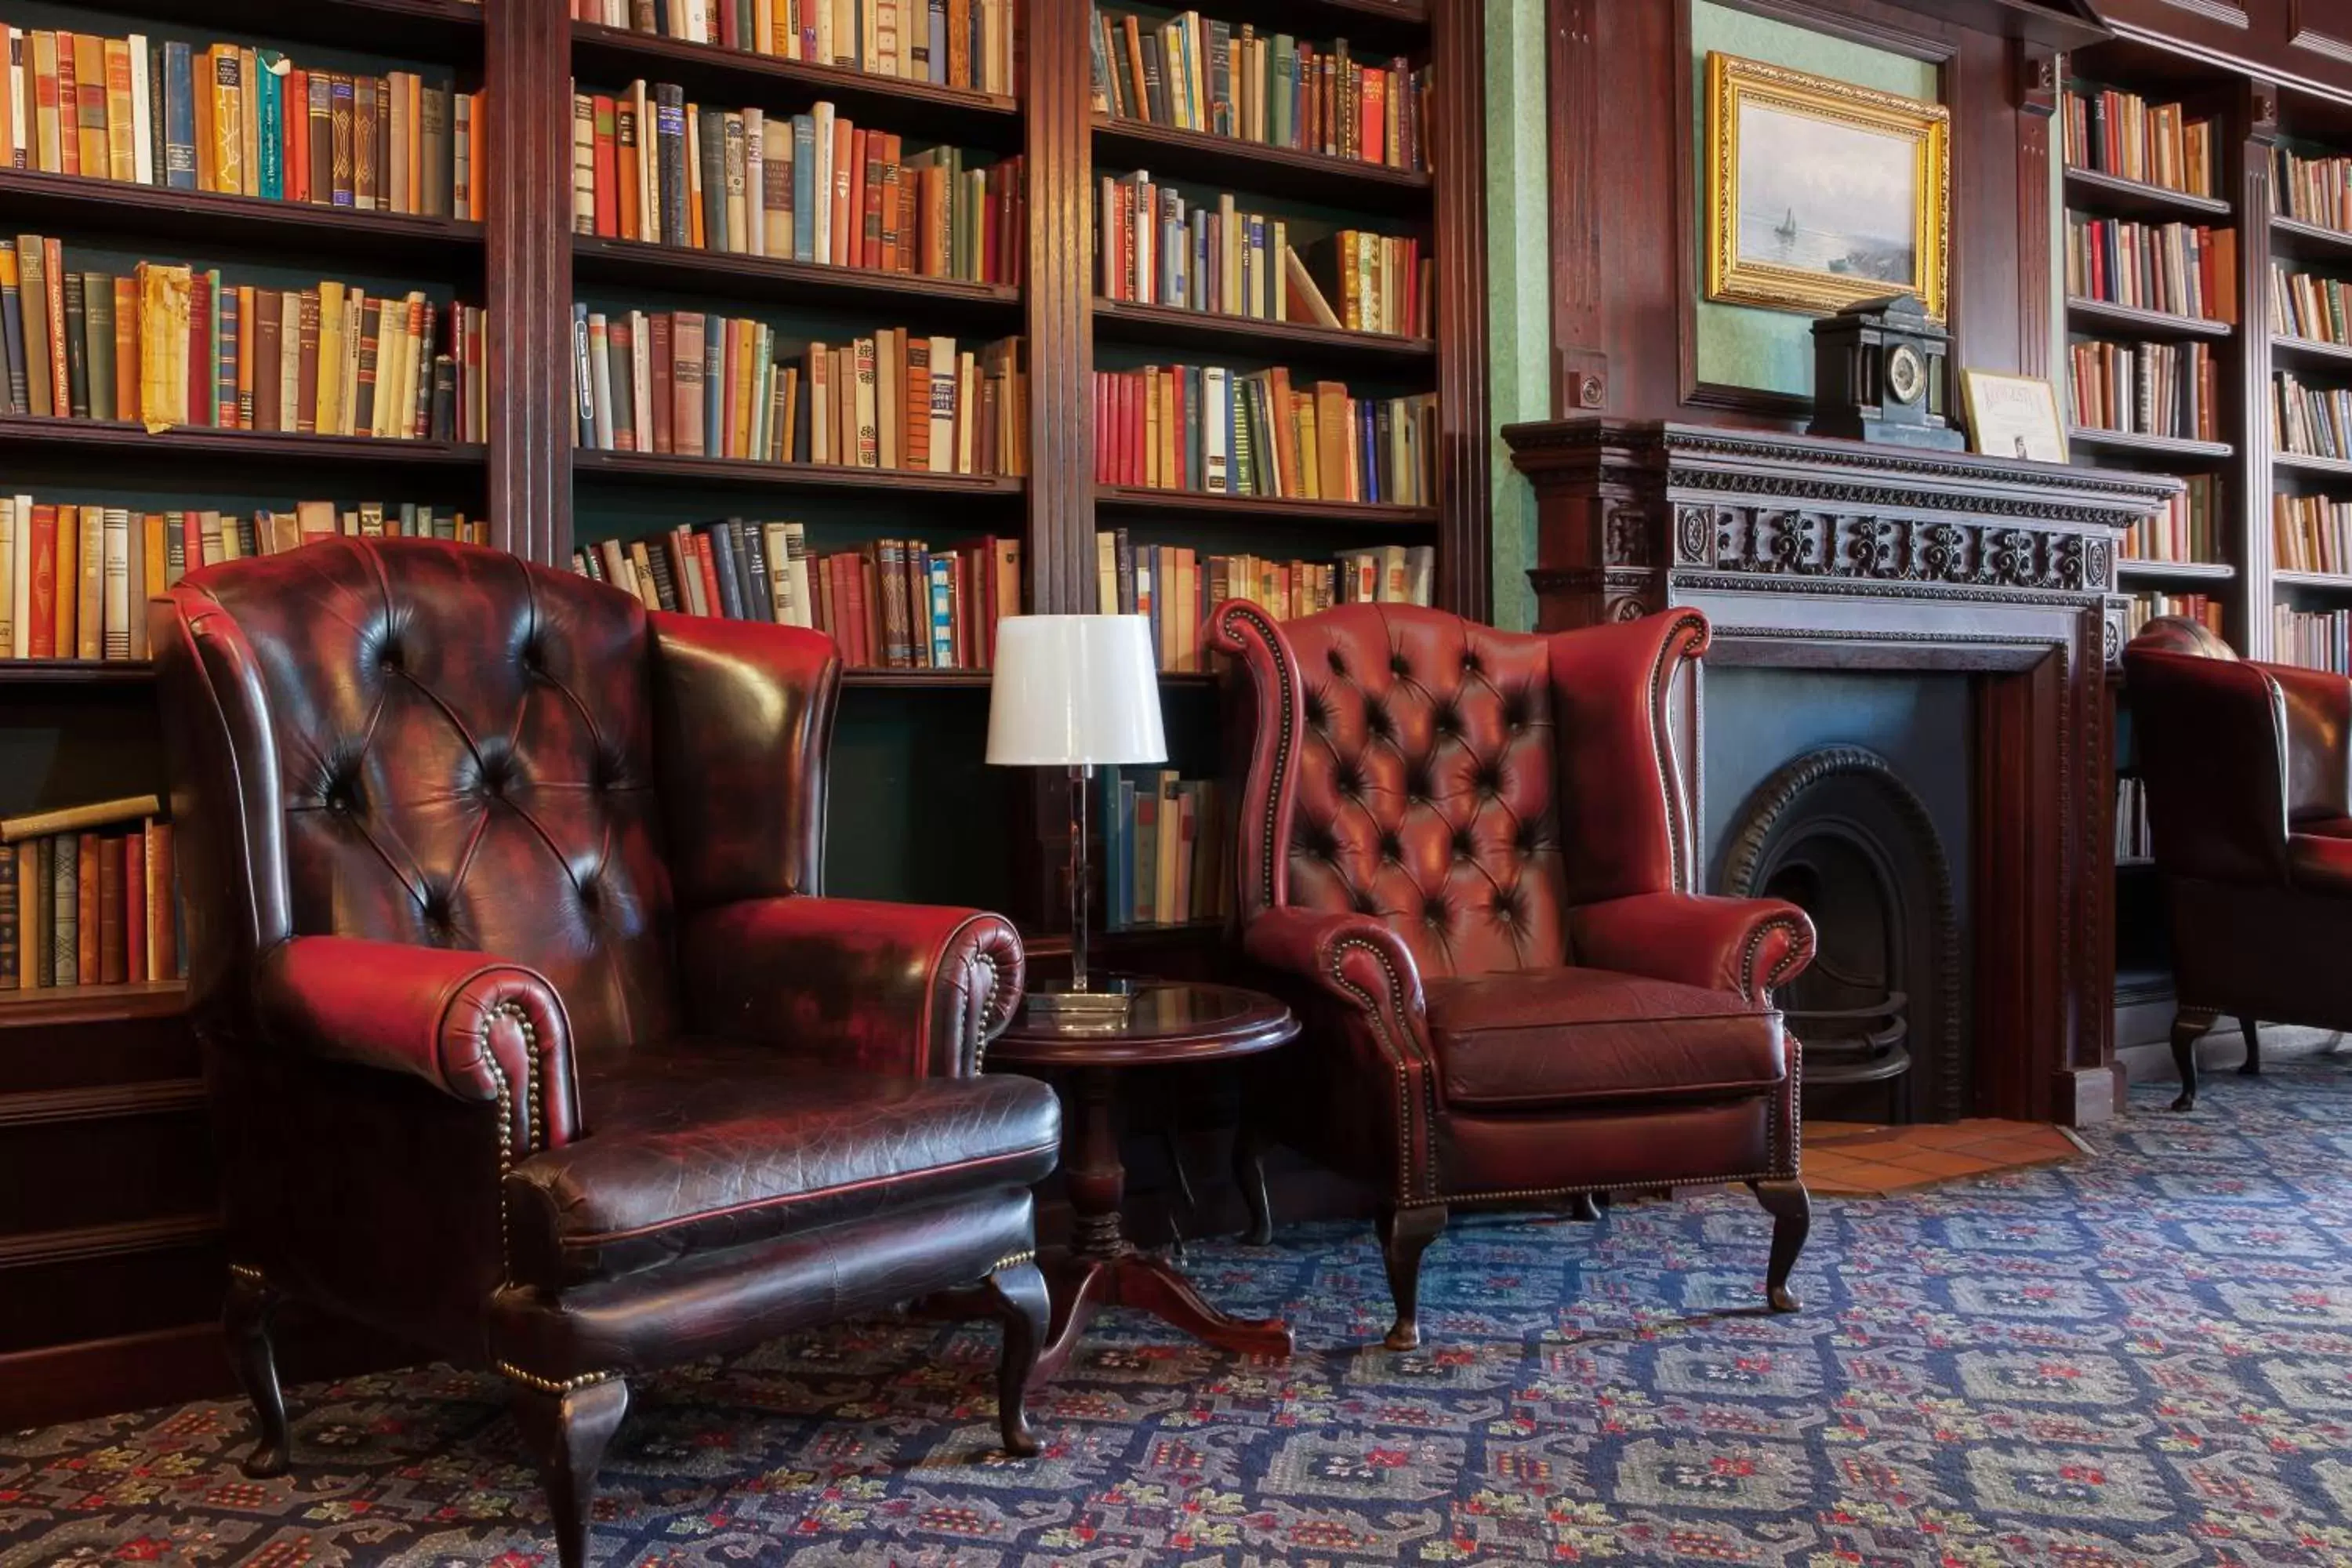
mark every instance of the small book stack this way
{"type": "Point", "coordinates": [2147, 389]}
{"type": "Point", "coordinates": [648, 165]}
{"type": "Point", "coordinates": [86, 898]}
{"type": "Point", "coordinates": [1163, 860]}
{"type": "Point", "coordinates": [2313, 190]}
{"type": "Point", "coordinates": [237, 120]}
{"type": "Point", "coordinates": [2316, 639]}
{"type": "Point", "coordinates": [2123, 134]}
{"type": "Point", "coordinates": [1154, 247]}
{"type": "Point", "coordinates": [948, 43]}
{"type": "Point", "coordinates": [893, 604]}
{"type": "Point", "coordinates": [2185, 530]}
{"type": "Point", "coordinates": [173, 345]}
{"type": "Point", "coordinates": [2181, 269]}
{"type": "Point", "coordinates": [702, 385]}
{"type": "Point", "coordinates": [2307, 306]}
{"type": "Point", "coordinates": [1175, 587]}
{"type": "Point", "coordinates": [2145, 607]}
{"type": "Point", "coordinates": [1220, 80]}
{"type": "Point", "coordinates": [75, 580]}
{"type": "Point", "coordinates": [2310, 421]}
{"type": "Point", "coordinates": [2312, 533]}
{"type": "Point", "coordinates": [1224, 432]}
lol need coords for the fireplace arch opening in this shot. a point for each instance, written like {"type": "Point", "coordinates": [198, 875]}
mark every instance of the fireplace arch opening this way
{"type": "Point", "coordinates": [1838, 833]}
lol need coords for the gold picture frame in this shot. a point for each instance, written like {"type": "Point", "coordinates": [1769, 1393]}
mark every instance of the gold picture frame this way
{"type": "Point", "coordinates": [1851, 155]}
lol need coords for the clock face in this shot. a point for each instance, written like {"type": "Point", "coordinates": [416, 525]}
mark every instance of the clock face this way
{"type": "Point", "coordinates": [1905, 376]}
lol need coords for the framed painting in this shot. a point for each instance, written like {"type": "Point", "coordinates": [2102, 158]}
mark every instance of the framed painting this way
{"type": "Point", "coordinates": [1821, 193]}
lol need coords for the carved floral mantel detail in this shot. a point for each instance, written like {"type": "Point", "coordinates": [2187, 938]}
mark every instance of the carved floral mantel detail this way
{"type": "Point", "coordinates": [1787, 541]}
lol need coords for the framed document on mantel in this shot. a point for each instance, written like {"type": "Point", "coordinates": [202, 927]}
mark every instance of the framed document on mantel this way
{"type": "Point", "coordinates": [2013, 416]}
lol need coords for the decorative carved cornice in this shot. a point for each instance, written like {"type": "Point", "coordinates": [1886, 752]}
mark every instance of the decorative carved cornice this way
{"type": "Point", "coordinates": [1822, 544]}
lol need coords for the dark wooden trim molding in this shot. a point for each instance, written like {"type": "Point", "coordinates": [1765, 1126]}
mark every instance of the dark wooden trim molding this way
{"type": "Point", "coordinates": [2304, 33]}
{"type": "Point", "coordinates": [2036, 78]}
{"type": "Point", "coordinates": [1580, 354]}
{"type": "Point", "coordinates": [1060, 551]}
{"type": "Point", "coordinates": [1458, 169]}
{"type": "Point", "coordinates": [528, 291]}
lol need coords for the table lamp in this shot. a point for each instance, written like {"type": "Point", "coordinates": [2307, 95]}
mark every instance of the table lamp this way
{"type": "Point", "coordinates": [1075, 691]}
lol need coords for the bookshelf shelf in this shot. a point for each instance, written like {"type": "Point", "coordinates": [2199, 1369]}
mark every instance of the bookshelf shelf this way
{"type": "Point", "coordinates": [443, 247]}
{"type": "Point", "coordinates": [1119, 320]}
{"type": "Point", "coordinates": [1123, 498]}
{"type": "Point", "coordinates": [439, 30]}
{"type": "Point", "coordinates": [2098, 316]}
{"type": "Point", "coordinates": [2319, 581]}
{"type": "Point", "coordinates": [2115, 197]}
{"type": "Point", "coordinates": [2132, 570]}
{"type": "Point", "coordinates": [663, 468]}
{"type": "Point", "coordinates": [870, 678]}
{"type": "Point", "coordinates": [2325, 468]}
{"type": "Point", "coordinates": [115, 441]}
{"type": "Point", "coordinates": [2309, 241]}
{"type": "Point", "coordinates": [610, 57]}
{"type": "Point", "coordinates": [41, 672]}
{"type": "Point", "coordinates": [1277, 171]}
{"type": "Point", "coordinates": [93, 1003]}
{"type": "Point", "coordinates": [2312, 351]}
{"type": "Point", "coordinates": [2179, 446]}
{"type": "Point", "coordinates": [635, 263]}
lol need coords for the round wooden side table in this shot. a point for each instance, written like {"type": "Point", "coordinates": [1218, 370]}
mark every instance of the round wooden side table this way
{"type": "Point", "coordinates": [1169, 1022]}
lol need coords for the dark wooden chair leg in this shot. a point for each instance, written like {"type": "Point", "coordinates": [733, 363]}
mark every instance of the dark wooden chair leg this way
{"type": "Point", "coordinates": [1019, 1298]}
{"type": "Point", "coordinates": [1249, 1175]}
{"type": "Point", "coordinates": [2189, 1025]}
{"type": "Point", "coordinates": [1792, 1208]}
{"type": "Point", "coordinates": [567, 1433]}
{"type": "Point", "coordinates": [247, 1318]}
{"type": "Point", "coordinates": [1584, 1206]}
{"type": "Point", "coordinates": [1405, 1234]}
{"type": "Point", "coordinates": [2252, 1066]}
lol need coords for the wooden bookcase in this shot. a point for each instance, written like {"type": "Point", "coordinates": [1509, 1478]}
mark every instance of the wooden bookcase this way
{"type": "Point", "coordinates": [126, 1283]}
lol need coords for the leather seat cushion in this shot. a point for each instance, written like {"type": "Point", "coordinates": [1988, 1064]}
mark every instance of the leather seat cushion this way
{"type": "Point", "coordinates": [1528, 1039]}
{"type": "Point", "coordinates": [703, 1144]}
{"type": "Point", "coordinates": [2319, 857]}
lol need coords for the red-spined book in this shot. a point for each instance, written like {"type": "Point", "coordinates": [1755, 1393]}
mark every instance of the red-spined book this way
{"type": "Point", "coordinates": [85, 906]}
{"type": "Point", "coordinates": [201, 392]}
{"type": "Point", "coordinates": [663, 392]}
{"type": "Point", "coordinates": [41, 641]}
{"type": "Point", "coordinates": [708, 570]}
{"type": "Point", "coordinates": [134, 905]}
{"type": "Point", "coordinates": [608, 190]}
{"type": "Point", "coordinates": [162, 926]}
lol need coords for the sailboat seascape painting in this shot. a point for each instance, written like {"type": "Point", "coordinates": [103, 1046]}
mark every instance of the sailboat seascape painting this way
{"type": "Point", "coordinates": [1823, 193]}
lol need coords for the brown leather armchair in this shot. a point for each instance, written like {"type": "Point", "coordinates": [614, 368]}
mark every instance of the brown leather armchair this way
{"type": "Point", "coordinates": [528, 1039]}
{"type": "Point", "coordinates": [1464, 857]}
{"type": "Point", "coordinates": [2249, 775]}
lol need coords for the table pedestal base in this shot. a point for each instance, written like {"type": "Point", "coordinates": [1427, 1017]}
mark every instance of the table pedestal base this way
{"type": "Point", "coordinates": [1084, 1283]}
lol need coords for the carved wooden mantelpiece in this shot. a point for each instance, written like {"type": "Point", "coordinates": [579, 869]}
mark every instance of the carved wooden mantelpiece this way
{"type": "Point", "coordinates": [1811, 552]}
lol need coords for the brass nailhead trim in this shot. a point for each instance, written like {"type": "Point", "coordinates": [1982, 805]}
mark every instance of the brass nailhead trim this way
{"type": "Point", "coordinates": [536, 1103]}
{"type": "Point", "coordinates": [1012, 1260]}
{"type": "Point", "coordinates": [248, 1272]}
{"type": "Point", "coordinates": [548, 1385]}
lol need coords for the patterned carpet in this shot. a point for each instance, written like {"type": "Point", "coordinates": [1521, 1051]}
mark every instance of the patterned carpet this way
{"type": "Point", "coordinates": [2140, 1358]}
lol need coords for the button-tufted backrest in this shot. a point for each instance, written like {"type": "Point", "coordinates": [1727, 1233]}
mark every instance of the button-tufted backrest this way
{"type": "Point", "coordinates": [421, 743]}
{"type": "Point", "coordinates": [1412, 751]}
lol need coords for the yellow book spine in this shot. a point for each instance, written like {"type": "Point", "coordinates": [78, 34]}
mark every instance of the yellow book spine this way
{"type": "Point", "coordinates": [228, 119]}
{"type": "Point", "coordinates": [163, 344]}
{"type": "Point", "coordinates": [331, 359]}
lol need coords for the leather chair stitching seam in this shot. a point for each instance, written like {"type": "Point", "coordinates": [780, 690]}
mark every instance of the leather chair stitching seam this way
{"type": "Point", "coordinates": [532, 1380]}
{"type": "Point", "coordinates": [1285, 701]}
{"type": "Point", "coordinates": [535, 1105]}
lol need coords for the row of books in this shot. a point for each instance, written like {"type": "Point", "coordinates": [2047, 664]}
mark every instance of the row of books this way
{"type": "Point", "coordinates": [651, 166]}
{"type": "Point", "coordinates": [2185, 530]}
{"type": "Point", "coordinates": [1163, 855]}
{"type": "Point", "coordinates": [892, 603]}
{"type": "Point", "coordinates": [2133, 839]}
{"type": "Point", "coordinates": [2145, 607]}
{"type": "Point", "coordinates": [2123, 134]}
{"type": "Point", "coordinates": [1154, 247]}
{"type": "Point", "coordinates": [2316, 639]}
{"type": "Point", "coordinates": [75, 580]}
{"type": "Point", "coordinates": [2310, 533]}
{"type": "Point", "coordinates": [2182, 270]}
{"type": "Point", "coordinates": [719, 386]}
{"type": "Point", "coordinates": [2306, 305]}
{"type": "Point", "coordinates": [171, 345]}
{"type": "Point", "coordinates": [2310, 421]}
{"type": "Point", "coordinates": [1175, 587]}
{"type": "Point", "coordinates": [237, 120]}
{"type": "Point", "coordinates": [948, 43]}
{"type": "Point", "coordinates": [88, 897]}
{"type": "Point", "coordinates": [1212, 76]}
{"type": "Point", "coordinates": [2313, 190]}
{"type": "Point", "coordinates": [1227, 432]}
{"type": "Point", "coordinates": [2147, 389]}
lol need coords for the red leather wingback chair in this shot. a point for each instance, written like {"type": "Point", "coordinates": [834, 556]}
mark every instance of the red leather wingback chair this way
{"type": "Point", "coordinates": [2249, 774]}
{"type": "Point", "coordinates": [529, 1040]}
{"type": "Point", "coordinates": [1464, 855]}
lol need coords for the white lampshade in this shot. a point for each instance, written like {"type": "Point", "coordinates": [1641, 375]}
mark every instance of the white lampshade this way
{"type": "Point", "coordinates": [1071, 689]}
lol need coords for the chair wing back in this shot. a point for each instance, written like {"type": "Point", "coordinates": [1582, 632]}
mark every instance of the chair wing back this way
{"type": "Point", "coordinates": [420, 743]}
{"type": "Point", "coordinates": [1400, 763]}
{"type": "Point", "coordinates": [2212, 735]}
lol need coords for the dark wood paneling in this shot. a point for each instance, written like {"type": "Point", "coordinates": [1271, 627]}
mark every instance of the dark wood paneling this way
{"type": "Point", "coordinates": [529, 293]}
{"type": "Point", "coordinates": [2307, 43]}
{"type": "Point", "coordinates": [1458, 166]}
{"type": "Point", "coordinates": [1060, 553]}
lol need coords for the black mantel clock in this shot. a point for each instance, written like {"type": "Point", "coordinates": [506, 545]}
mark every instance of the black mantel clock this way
{"type": "Point", "coordinates": [1879, 376]}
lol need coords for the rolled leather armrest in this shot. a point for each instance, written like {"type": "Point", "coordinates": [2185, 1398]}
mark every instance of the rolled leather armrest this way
{"type": "Point", "coordinates": [472, 1027]}
{"type": "Point", "coordinates": [1746, 946]}
{"type": "Point", "coordinates": [1356, 959]}
{"type": "Point", "coordinates": [2212, 747]}
{"type": "Point", "coordinates": [2317, 706]}
{"type": "Point", "coordinates": [907, 989]}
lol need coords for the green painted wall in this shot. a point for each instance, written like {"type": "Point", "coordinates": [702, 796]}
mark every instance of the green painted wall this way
{"type": "Point", "coordinates": [1737, 344]}
{"type": "Point", "coordinates": [1518, 297]}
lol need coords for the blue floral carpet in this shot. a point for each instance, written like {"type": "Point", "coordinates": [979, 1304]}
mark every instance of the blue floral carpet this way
{"type": "Point", "coordinates": [2140, 1358]}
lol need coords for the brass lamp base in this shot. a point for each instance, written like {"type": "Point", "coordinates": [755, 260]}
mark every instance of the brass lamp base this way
{"type": "Point", "coordinates": [1105, 1002]}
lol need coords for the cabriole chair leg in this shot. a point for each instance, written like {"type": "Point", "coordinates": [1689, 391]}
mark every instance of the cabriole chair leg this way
{"type": "Point", "coordinates": [1023, 1307]}
{"type": "Point", "coordinates": [1792, 1208]}
{"type": "Point", "coordinates": [1405, 1234]}
{"type": "Point", "coordinates": [247, 1318]}
{"type": "Point", "coordinates": [567, 1434]}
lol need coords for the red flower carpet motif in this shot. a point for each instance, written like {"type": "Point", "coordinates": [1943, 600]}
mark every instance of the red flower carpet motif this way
{"type": "Point", "coordinates": [2141, 1358]}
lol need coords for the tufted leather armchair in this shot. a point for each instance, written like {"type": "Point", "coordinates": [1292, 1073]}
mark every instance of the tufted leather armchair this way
{"type": "Point", "coordinates": [2249, 774]}
{"type": "Point", "coordinates": [1464, 857]}
{"type": "Point", "coordinates": [529, 1040]}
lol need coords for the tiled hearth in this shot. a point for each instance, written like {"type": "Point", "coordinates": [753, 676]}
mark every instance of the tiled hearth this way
{"type": "Point", "coordinates": [1853, 1158]}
